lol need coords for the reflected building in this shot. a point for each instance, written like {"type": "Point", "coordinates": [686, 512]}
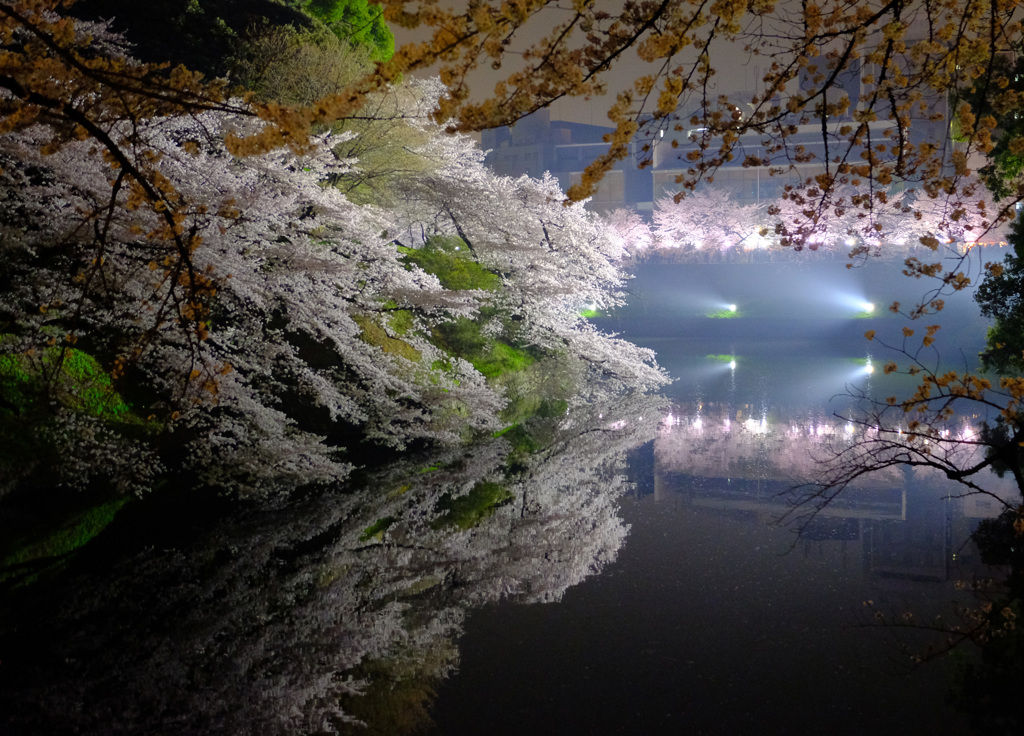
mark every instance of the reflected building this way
{"type": "Point", "coordinates": [898, 524]}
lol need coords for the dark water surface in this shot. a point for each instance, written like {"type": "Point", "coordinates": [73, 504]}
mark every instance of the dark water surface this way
{"type": "Point", "coordinates": [713, 619]}
{"type": "Point", "coordinates": [591, 595]}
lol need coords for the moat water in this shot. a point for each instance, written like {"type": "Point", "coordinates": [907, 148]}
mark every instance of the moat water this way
{"type": "Point", "coordinates": [636, 580]}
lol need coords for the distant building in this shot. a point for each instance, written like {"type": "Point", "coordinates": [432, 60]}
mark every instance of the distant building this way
{"type": "Point", "coordinates": [538, 144]}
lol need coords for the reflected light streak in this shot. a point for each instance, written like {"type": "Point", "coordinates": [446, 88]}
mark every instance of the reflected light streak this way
{"type": "Point", "coordinates": [854, 302]}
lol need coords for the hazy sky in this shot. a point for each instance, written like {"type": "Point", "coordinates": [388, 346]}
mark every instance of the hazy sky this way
{"type": "Point", "coordinates": [735, 70]}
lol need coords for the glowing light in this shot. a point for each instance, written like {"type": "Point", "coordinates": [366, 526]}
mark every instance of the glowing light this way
{"type": "Point", "coordinates": [732, 364]}
{"type": "Point", "coordinates": [756, 240]}
{"type": "Point", "coordinates": [867, 306]}
{"type": "Point", "coordinates": [732, 307]}
{"type": "Point", "coordinates": [755, 426]}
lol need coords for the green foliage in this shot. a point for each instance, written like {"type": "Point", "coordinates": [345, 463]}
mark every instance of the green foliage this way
{"type": "Point", "coordinates": [74, 378]}
{"type": "Point", "coordinates": [1001, 449]}
{"type": "Point", "coordinates": [1005, 167]}
{"type": "Point", "coordinates": [377, 529]}
{"type": "Point", "coordinates": [500, 359]}
{"type": "Point", "coordinates": [199, 34]}
{"type": "Point", "coordinates": [385, 145]}
{"type": "Point", "coordinates": [537, 396]}
{"type": "Point", "coordinates": [18, 386]}
{"type": "Point", "coordinates": [553, 408]}
{"type": "Point", "coordinates": [460, 337]}
{"type": "Point", "coordinates": [296, 67]}
{"type": "Point", "coordinates": [1000, 297]}
{"type": "Point", "coordinates": [452, 262]}
{"type": "Point", "coordinates": [467, 511]}
{"type": "Point", "coordinates": [28, 557]}
{"type": "Point", "coordinates": [522, 441]}
{"type": "Point", "coordinates": [36, 388]}
{"type": "Point", "coordinates": [1003, 347]}
{"type": "Point", "coordinates": [401, 321]}
{"type": "Point", "coordinates": [374, 334]}
{"type": "Point", "coordinates": [999, 544]}
{"type": "Point", "coordinates": [493, 358]}
{"type": "Point", "coordinates": [399, 692]}
{"type": "Point", "coordinates": [360, 22]}
{"type": "Point", "coordinates": [536, 422]}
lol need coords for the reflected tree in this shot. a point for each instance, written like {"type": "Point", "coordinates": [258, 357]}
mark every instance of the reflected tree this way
{"type": "Point", "coordinates": [980, 634]}
{"type": "Point", "coordinates": [962, 430]}
{"type": "Point", "coordinates": [957, 425]}
{"type": "Point", "coordinates": [270, 618]}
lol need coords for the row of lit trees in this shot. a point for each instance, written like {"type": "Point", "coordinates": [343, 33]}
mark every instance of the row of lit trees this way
{"type": "Point", "coordinates": [710, 220]}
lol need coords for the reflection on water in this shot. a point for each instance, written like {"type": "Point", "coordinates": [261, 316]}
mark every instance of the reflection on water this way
{"type": "Point", "coordinates": [329, 607]}
{"type": "Point", "coordinates": [715, 619]}
{"type": "Point", "coordinates": [672, 602]}
{"type": "Point", "coordinates": [906, 522]}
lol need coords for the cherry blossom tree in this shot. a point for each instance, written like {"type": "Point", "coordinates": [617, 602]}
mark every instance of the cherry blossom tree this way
{"type": "Point", "coordinates": [268, 321]}
{"type": "Point", "coordinates": [555, 261]}
{"type": "Point", "coordinates": [708, 219]}
{"type": "Point", "coordinates": [631, 231]}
